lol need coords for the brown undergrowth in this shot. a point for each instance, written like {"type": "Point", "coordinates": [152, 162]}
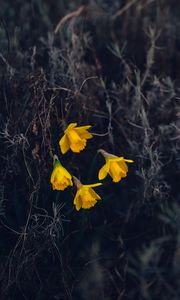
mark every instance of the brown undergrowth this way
{"type": "Point", "coordinates": [114, 65]}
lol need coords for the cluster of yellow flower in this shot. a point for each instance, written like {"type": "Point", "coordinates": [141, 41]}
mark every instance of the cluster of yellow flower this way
{"type": "Point", "coordinates": [75, 138]}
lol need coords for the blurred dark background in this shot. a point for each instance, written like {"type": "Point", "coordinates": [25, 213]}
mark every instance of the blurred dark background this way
{"type": "Point", "coordinates": [114, 65]}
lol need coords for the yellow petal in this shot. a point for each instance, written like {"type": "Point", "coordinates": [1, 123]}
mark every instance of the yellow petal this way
{"type": "Point", "coordinates": [77, 200]}
{"type": "Point", "coordinates": [123, 166]}
{"type": "Point", "coordinates": [76, 143]}
{"type": "Point", "coordinates": [115, 171]}
{"type": "Point", "coordinates": [78, 146]}
{"type": "Point", "coordinates": [66, 173]}
{"type": "Point", "coordinates": [60, 186]}
{"type": "Point", "coordinates": [116, 178]}
{"type": "Point", "coordinates": [103, 171]}
{"type": "Point", "coordinates": [93, 185]}
{"type": "Point", "coordinates": [88, 200]}
{"type": "Point", "coordinates": [86, 197]}
{"type": "Point", "coordinates": [83, 127]}
{"type": "Point", "coordinates": [94, 194]}
{"type": "Point", "coordinates": [88, 204]}
{"type": "Point", "coordinates": [115, 159]}
{"type": "Point", "coordinates": [73, 136]}
{"type": "Point", "coordinates": [129, 160]}
{"type": "Point", "coordinates": [121, 158]}
{"type": "Point", "coordinates": [52, 176]}
{"type": "Point", "coordinates": [84, 134]}
{"type": "Point", "coordinates": [70, 126]}
{"type": "Point", "coordinates": [60, 177]}
{"type": "Point", "coordinates": [64, 144]}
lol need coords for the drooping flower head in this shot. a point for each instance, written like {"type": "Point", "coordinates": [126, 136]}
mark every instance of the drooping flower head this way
{"type": "Point", "coordinates": [85, 196]}
{"type": "Point", "coordinates": [75, 138]}
{"type": "Point", "coordinates": [115, 166]}
{"type": "Point", "coordinates": [60, 177]}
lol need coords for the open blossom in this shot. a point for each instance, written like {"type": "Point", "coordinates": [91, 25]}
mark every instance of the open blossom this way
{"type": "Point", "coordinates": [85, 196]}
{"type": "Point", "coordinates": [60, 177]}
{"type": "Point", "coordinates": [75, 138]}
{"type": "Point", "coordinates": [115, 166]}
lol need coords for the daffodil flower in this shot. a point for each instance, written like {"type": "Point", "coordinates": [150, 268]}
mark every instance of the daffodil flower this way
{"type": "Point", "coordinates": [60, 177]}
{"type": "Point", "coordinates": [75, 138]}
{"type": "Point", "coordinates": [115, 166]}
{"type": "Point", "coordinates": [85, 196]}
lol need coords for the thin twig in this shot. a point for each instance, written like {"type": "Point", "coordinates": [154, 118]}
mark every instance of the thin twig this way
{"type": "Point", "coordinates": [123, 9]}
{"type": "Point", "coordinates": [88, 78]}
{"type": "Point", "coordinates": [75, 13]}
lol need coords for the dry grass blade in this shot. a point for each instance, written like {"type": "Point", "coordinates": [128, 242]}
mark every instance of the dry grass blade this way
{"type": "Point", "coordinates": [75, 13]}
{"type": "Point", "coordinates": [124, 9]}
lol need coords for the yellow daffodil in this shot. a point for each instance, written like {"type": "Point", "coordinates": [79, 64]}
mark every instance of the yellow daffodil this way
{"type": "Point", "coordinates": [115, 166]}
{"type": "Point", "coordinates": [75, 138]}
{"type": "Point", "coordinates": [60, 177]}
{"type": "Point", "coordinates": [85, 196]}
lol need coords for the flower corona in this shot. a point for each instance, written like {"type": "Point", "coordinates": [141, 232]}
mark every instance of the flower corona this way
{"type": "Point", "coordinates": [85, 196]}
{"type": "Point", "coordinates": [75, 138]}
{"type": "Point", "coordinates": [60, 177]}
{"type": "Point", "coordinates": [115, 166]}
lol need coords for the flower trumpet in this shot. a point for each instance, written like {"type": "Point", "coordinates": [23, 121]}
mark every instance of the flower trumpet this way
{"type": "Point", "coordinates": [75, 138]}
{"type": "Point", "coordinates": [115, 166]}
{"type": "Point", "coordinates": [60, 177]}
{"type": "Point", "coordinates": [85, 196]}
